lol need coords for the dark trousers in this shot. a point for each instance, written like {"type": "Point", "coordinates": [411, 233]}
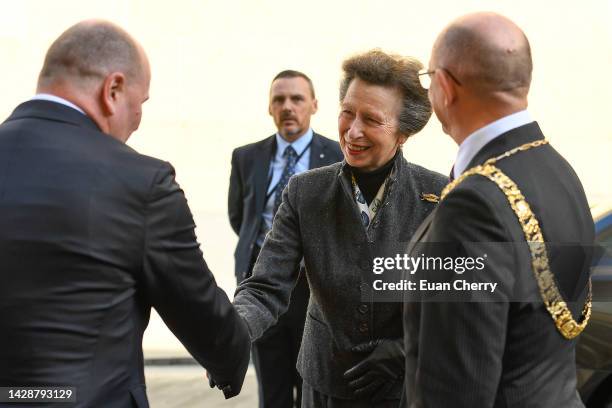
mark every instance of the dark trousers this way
{"type": "Point", "coordinates": [275, 353]}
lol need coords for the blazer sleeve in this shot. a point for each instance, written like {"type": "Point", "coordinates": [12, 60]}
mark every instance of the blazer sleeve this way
{"type": "Point", "coordinates": [183, 290]}
{"type": "Point", "coordinates": [263, 297]}
{"type": "Point", "coordinates": [235, 196]}
{"type": "Point", "coordinates": [462, 337]}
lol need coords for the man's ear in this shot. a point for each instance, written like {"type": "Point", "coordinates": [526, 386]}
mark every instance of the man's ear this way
{"type": "Point", "coordinates": [315, 106]}
{"type": "Point", "coordinates": [448, 87]}
{"type": "Point", "coordinates": [112, 89]}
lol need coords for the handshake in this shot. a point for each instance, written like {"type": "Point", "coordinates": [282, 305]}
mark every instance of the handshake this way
{"type": "Point", "coordinates": [372, 378]}
{"type": "Point", "coordinates": [228, 391]}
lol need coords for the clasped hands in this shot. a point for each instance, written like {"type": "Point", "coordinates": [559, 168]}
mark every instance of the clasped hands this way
{"type": "Point", "coordinates": [377, 373]}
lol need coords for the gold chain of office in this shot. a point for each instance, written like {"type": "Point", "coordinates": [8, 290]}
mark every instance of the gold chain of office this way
{"type": "Point", "coordinates": [556, 306]}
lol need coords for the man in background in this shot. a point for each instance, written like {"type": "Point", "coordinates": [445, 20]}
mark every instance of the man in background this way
{"type": "Point", "coordinates": [260, 172]}
{"type": "Point", "coordinates": [93, 234]}
{"type": "Point", "coordinates": [516, 203]}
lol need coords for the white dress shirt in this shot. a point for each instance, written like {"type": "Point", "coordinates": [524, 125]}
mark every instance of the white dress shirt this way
{"type": "Point", "coordinates": [56, 99]}
{"type": "Point", "coordinates": [477, 140]}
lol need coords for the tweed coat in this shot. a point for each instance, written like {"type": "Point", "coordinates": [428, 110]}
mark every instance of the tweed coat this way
{"type": "Point", "coordinates": [319, 221]}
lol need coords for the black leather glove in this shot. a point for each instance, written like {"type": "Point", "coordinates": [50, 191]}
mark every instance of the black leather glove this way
{"type": "Point", "coordinates": [226, 389]}
{"type": "Point", "coordinates": [377, 373]}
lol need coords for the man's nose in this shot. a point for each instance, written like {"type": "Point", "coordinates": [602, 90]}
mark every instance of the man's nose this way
{"type": "Point", "coordinates": [287, 105]}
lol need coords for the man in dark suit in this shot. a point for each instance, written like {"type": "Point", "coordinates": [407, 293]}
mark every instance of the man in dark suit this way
{"type": "Point", "coordinates": [260, 171]}
{"type": "Point", "coordinates": [507, 348]}
{"type": "Point", "coordinates": [93, 234]}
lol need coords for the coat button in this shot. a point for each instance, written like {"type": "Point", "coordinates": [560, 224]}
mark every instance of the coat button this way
{"type": "Point", "coordinates": [363, 309]}
{"type": "Point", "coordinates": [363, 328]}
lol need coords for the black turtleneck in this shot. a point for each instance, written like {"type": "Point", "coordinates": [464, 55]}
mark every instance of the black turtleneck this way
{"type": "Point", "coordinates": [369, 182]}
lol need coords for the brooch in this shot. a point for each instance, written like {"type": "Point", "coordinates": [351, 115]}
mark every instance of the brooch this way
{"type": "Point", "coordinates": [432, 198]}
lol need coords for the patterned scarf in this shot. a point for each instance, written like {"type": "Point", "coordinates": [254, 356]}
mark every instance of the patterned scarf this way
{"type": "Point", "coordinates": [369, 212]}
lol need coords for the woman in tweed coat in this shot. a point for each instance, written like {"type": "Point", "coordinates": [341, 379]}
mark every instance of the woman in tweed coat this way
{"type": "Point", "coordinates": [352, 352]}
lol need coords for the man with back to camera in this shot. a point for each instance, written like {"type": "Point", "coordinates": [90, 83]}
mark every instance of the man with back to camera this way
{"type": "Point", "coordinates": [260, 171]}
{"type": "Point", "coordinates": [93, 234]}
{"type": "Point", "coordinates": [510, 187]}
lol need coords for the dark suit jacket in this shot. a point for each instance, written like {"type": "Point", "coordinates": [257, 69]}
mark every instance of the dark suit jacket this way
{"type": "Point", "coordinates": [247, 189]}
{"type": "Point", "coordinates": [319, 221]}
{"type": "Point", "coordinates": [505, 352]}
{"type": "Point", "coordinates": [92, 235]}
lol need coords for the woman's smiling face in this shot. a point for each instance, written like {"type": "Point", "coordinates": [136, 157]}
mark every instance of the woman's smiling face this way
{"type": "Point", "coordinates": [368, 124]}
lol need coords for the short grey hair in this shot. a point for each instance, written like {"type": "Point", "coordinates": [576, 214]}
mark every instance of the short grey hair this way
{"type": "Point", "coordinates": [91, 50]}
{"type": "Point", "coordinates": [379, 68]}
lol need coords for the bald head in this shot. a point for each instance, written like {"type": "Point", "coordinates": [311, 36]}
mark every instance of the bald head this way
{"type": "Point", "coordinates": [100, 68]}
{"type": "Point", "coordinates": [89, 51]}
{"type": "Point", "coordinates": [487, 52]}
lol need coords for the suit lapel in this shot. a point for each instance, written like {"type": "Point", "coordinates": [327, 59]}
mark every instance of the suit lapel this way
{"type": "Point", "coordinates": [420, 232]}
{"type": "Point", "coordinates": [317, 153]}
{"type": "Point", "coordinates": [261, 170]}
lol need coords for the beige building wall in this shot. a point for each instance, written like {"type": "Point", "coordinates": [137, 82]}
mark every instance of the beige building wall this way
{"type": "Point", "coordinates": [212, 62]}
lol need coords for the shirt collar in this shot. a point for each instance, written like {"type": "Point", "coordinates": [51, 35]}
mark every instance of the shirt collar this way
{"type": "Point", "coordinates": [477, 140]}
{"type": "Point", "coordinates": [298, 145]}
{"type": "Point", "coordinates": [56, 99]}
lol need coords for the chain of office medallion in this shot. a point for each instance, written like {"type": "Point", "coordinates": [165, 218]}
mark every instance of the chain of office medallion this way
{"type": "Point", "coordinates": [553, 300]}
